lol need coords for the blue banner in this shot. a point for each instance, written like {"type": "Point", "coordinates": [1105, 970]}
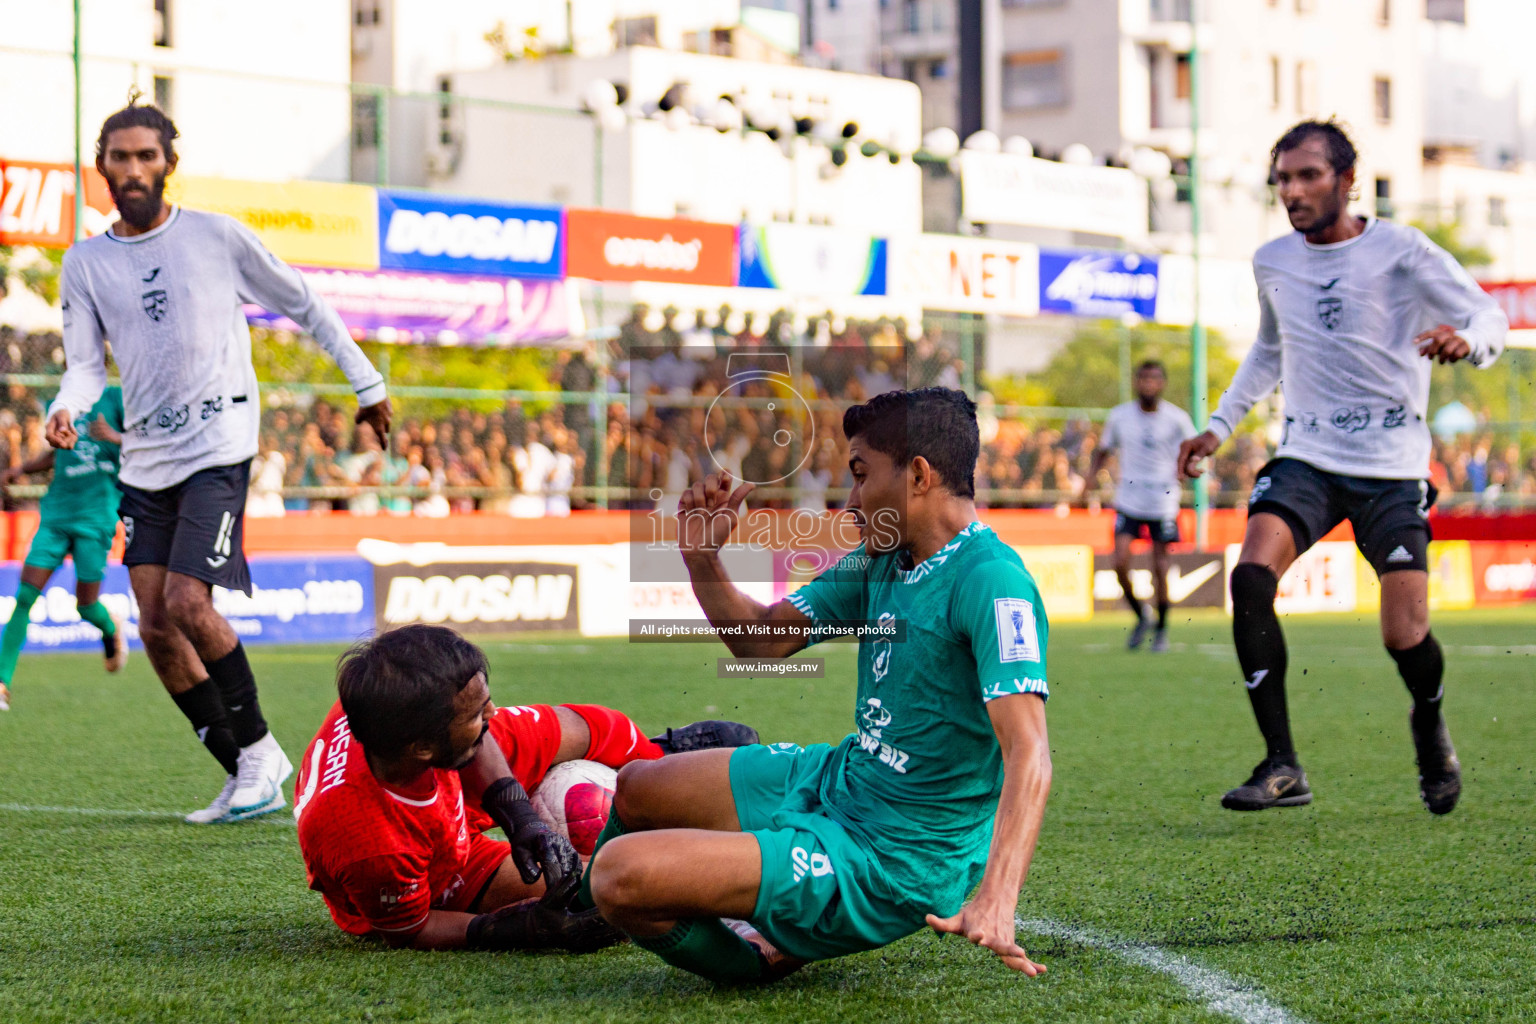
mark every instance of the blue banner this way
{"type": "Point", "coordinates": [1097, 283]}
{"type": "Point", "coordinates": [424, 231]}
{"type": "Point", "coordinates": [294, 599]}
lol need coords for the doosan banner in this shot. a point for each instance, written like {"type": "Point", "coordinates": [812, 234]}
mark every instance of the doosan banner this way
{"type": "Point", "coordinates": [444, 234]}
{"type": "Point", "coordinates": [445, 308]}
{"type": "Point", "coordinates": [293, 599]}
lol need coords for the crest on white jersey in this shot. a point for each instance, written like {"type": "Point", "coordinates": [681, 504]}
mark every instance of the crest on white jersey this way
{"type": "Point", "coordinates": [1018, 639]}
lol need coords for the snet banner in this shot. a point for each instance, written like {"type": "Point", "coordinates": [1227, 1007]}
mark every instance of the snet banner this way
{"type": "Point", "coordinates": [445, 308]}
{"type": "Point", "coordinates": [319, 599]}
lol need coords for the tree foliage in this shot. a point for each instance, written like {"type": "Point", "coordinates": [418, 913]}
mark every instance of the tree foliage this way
{"type": "Point", "coordinates": [1086, 373]}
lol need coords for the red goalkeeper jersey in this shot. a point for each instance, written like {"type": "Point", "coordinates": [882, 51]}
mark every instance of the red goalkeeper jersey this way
{"type": "Point", "coordinates": [383, 858]}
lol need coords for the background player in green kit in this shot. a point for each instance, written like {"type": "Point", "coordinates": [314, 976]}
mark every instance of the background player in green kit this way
{"type": "Point", "coordinates": [817, 852]}
{"type": "Point", "coordinates": [77, 517]}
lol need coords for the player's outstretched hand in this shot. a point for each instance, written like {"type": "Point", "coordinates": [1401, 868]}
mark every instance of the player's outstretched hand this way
{"type": "Point", "coordinates": [61, 430]}
{"type": "Point", "coordinates": [989, 923]}
{"type": "Point", "coordinates": [378, 416]}
{"type": "Point", "coordinates": [540, 851]}
{"type": "Point", "coordinates": [1444, 344]}
{"type": "Point", "coordinates": [1195, 451]}
{"type": "Point", "coordinates": [708, 513]}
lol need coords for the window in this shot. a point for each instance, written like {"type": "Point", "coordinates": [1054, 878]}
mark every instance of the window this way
{"type": "Point", "coordinates": [1034, 79]}
{"type": "Point", "coordinates": [635, 31]}
{"type": "Point", "coordinates": [445, 134]}
{"type": "Point", "coordinates": [1384, 100]}
{"type": "Point", "coordinates": [1183, 82]}
{"type": "Point", "coordinates": [1384, 198]}
{"type": "Point", "coordinates": [163, 93]}
{"type": "Point", "coordinates": [365, 121]}
{"type": "Point", "coordinates": [1275, 98]}
{"type": "Point", "coordinates": [938, 68]}
{"type": "Point", "coordinates": [1446, 10]}
{"type": "Point", "coordinates": [1306, 88]}
{"type": "Point", "coordinates": [162, 22]}
{"type": "Point", "coordinates": [1498, 216]}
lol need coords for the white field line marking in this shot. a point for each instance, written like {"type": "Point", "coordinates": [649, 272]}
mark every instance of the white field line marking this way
{"type": "Point", "coordinates": [1220, 993]}
{"type": "Point", "coordinates": [281, 817]}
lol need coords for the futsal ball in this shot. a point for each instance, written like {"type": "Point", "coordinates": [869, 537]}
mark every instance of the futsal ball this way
{"type": "Point", "coordinates": [574, 800]}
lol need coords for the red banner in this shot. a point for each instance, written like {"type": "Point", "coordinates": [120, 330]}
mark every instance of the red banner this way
{"type": "Point", "coordinates": [1518, 300]}
{"type": "Point", "coordinates": [604, 246]}
{"type": "Point", "coordinates": [37, 203]}
{"type": "Point", "coordinates": [1504, 572]}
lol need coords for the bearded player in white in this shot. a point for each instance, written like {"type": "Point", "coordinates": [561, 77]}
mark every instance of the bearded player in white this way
{"type": "Point", "coordinates": [166, 285]}
{"type": "Point", "coordinates": [1145, 435]}
{"type": "Point", "coordinates": [1352, 312]}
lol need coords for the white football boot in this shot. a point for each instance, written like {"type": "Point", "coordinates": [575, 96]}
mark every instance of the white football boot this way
{"type": "Point", "coordinates": [218, 812]}
{"type": "Point", "coordinates": [259, 781]}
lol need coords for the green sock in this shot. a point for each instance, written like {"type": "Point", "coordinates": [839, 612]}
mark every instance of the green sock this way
{"type": "Point", "coordinates": [583, 899]}
{"type": "Point", "coordinates": [97, 615]}
{"type": "Point", "coordinates": [706, 947]}
{"type": "Point", "coordinates": [15, 636]}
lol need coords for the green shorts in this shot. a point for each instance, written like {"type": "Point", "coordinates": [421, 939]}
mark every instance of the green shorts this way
{"type": "Point", "coordinates": [88, 544]}
{"type": "Point", "coordinates": [822, 893]}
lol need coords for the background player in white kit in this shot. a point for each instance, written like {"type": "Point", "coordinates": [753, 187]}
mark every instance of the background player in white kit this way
{"type": "Point", "coordinates": [167, 285]}
{"type": "Point", "coordinates": [1145, 436]}
{"type": "Point", "coordinates": [1351, 313]}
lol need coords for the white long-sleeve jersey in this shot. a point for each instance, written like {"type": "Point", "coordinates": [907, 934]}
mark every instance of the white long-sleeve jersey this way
{"type": "Point", "coordinates": [170, 301]}
{"type": "Point", "coordinates": [1336, 330]}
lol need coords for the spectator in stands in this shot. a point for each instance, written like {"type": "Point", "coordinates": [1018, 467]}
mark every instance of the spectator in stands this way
{"type": "Point", "coordinates": [533, 462]}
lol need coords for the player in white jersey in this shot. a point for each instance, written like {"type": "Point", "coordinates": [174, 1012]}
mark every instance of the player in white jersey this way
{"type": "Point", "coordinates": [167, 285]}
{"type": "Point", "coordinates": [1145, 436]}
{"type": "Point", "coordinates": [1352, 311]}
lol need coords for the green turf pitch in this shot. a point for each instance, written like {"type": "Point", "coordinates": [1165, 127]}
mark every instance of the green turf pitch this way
{"type": "Point", "coordinates": [1361, 907]}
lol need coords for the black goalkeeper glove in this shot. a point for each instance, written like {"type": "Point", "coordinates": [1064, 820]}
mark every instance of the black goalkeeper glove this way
{"type": "Point", "coordinates": [539, 924]}
{"type": "Point", "coordinates": [536, 848]}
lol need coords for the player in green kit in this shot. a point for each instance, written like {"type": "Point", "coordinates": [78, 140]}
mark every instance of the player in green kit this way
{"type": "Point", "coordinates": [816, 852]}
{"type": "Point", "coordinates": [77, 517]}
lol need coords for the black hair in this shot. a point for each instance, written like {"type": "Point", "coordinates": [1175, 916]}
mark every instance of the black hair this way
{"type": "Point", "coordinates": [937, 423]}
{"type": "Point", "coordinates": [1152, 364]}
{"type": "Point", "coordinates": [136, 116]}
{"type": "Point", "coordinates": [1341, 151]}
{"type": "Point", "coordinates": [399, 687]}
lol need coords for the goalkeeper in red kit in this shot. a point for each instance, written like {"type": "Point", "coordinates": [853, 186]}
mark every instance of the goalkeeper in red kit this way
{"type": "Point", "coordinates": [396, 789]}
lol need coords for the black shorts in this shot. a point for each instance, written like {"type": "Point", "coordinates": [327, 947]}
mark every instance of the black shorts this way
{"type": "Point", "coordinates": [1390, 517]}
{"type": "Point", "coordinates": [196, 527]}
{"type": "Point", "coordinates": [1160, 531]}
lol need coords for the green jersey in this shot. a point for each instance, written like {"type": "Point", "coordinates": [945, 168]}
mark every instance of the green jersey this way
{"type": "Point", "coordinates": [918, 781]}
{"type": "Point", "coordinates": [84, 487]}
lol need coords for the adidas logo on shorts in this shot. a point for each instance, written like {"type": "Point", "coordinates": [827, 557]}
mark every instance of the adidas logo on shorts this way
{"type": "Point", "coordinates": [1401, 554]}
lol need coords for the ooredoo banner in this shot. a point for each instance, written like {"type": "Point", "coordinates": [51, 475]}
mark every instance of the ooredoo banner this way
{"type": "Point", "coordinates": [606, 246]}
{"type": "Point", "coordinates": [1504, 572]}
{"type": "Point", "coordinates": [295, 599]}
{"type": "Point", "coordinates": [445, 234]}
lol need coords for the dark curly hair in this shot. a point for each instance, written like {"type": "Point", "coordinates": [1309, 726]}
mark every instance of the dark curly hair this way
{"type": "Point", "coordinates": [136, 116]}
{"type": "Point", "coordinates": [1341, 151]}
{"type": "Point", "coordinates": [937, 423]}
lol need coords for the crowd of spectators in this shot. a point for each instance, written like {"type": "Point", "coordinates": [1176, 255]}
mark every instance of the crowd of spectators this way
{"type": "Point", "coordinates": [674, 412]}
